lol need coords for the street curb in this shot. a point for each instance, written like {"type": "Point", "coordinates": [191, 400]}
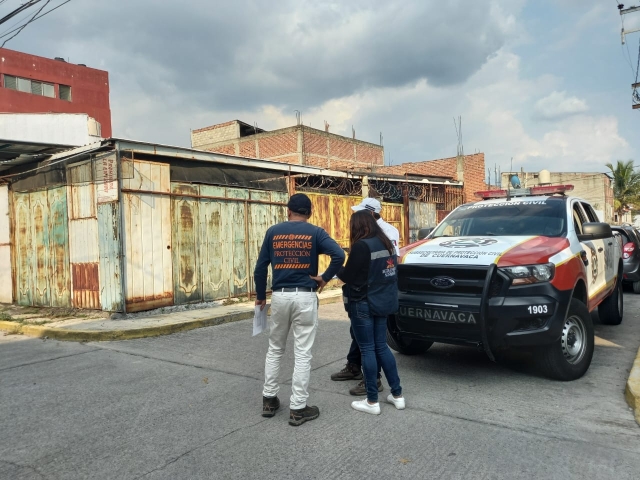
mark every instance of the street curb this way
{"type": "Point", "coordinates": [632, 390]}
{"type": "Point", "coordinates": [68, 335]}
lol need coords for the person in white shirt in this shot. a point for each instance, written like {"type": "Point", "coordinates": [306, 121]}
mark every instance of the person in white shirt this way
{"type": "Point", "coordinates": [353, 368]}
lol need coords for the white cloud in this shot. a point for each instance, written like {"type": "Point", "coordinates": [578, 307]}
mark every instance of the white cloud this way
{"type": "Point", "coordinates": [557, 105]}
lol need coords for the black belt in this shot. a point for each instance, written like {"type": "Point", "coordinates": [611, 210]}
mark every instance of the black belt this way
{"type": "Point", "coordinates": [295, 289]}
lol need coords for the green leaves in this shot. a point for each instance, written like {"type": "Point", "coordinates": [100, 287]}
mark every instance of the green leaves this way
{"type": "Point", "coordinates": [626, 185]}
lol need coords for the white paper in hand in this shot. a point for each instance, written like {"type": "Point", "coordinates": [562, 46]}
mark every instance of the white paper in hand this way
{"type": "Point", "coordinates": [260, 320]}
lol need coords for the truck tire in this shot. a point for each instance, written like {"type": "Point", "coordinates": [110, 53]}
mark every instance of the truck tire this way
{"type": "Point", "coordinates": [569, 357]}
{"type": "Point", "coordinates": [611, 309]}
{"type": "Point", "coordinates": [408, 346]}
{"type": "Point", "coordinates": [636, 287]}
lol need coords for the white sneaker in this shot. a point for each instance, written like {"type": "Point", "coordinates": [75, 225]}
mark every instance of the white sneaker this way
{"type": "Point", "coordinates": [366, 407]}
{"type": "Point", "coordinates": [398, 402]}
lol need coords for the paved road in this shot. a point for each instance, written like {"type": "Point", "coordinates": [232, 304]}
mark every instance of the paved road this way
{"type": "Point", "coordinates": [188, 406]}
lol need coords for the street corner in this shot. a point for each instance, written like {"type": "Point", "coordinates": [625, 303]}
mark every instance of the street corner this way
{"type": "Point", "coordinates": [632, 389]}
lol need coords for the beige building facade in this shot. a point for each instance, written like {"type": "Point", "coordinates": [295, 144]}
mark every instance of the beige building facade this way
{"type": "Point", "coordinates": [596, 188]}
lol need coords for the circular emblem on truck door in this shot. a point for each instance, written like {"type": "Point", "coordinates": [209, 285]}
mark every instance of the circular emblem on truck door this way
{"type": "Point", "coordinates": [468, 242]}
{"type": "Point", "coordinates": [443, 282]}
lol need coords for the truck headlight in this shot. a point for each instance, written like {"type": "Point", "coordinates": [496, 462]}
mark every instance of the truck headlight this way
{"type": "Point", "coordinates": [525, 274]}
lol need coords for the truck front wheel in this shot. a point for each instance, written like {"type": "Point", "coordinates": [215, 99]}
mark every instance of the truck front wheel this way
{"type": "Point", "coordinates": [569, 357]}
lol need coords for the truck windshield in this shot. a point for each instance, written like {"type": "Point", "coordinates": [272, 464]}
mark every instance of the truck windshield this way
{"type": "Point", "coordinates": [513, 218]}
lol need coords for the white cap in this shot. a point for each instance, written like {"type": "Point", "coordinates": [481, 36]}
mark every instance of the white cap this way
{"type": "Point", "coordinates": [370, 204]}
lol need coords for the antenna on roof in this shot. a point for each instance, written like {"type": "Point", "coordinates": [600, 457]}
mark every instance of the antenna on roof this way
{"type": "Point", "coordinates": [353, 132]}
{"type": "Point", "coordinates": [326, 126]}
{"type": "Point", "coordinates": [298, 117]}
{"type": "Point", "coordinates": [458, 126]}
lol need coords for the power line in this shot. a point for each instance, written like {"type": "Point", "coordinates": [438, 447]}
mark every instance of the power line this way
{"type": "Point", "coordinates": [38, 17]}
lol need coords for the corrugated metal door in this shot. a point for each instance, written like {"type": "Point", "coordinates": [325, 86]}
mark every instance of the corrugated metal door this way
{"type": "Point", "coordinates": [216, 250]}
{"type": "Point", "coordinates": [59, 256]}
{"type": "Point", "coordinates": [83, 237]}
{"type": "Point", "coordinates": [421, 215]}
{"type": "Point", "coordinates": [239, 232]}
{"type": "Point", "coordinates": [23, 250]}
{"type": "Point", "coordinates": [261, 217]}
{"type": "Point", "coordinates": [393, 214]}
{"type": "Point", "coordinates": [332, 213]}
{"type": "Point", "coordinates": [147, 218]}
{"type": "Point", "coordinates": [41, 254]}
{"type": "Point", "coordinates": [186, 229]}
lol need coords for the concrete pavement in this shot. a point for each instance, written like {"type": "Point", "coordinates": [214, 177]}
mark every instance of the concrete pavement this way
{"type": "Point", "coordinates": [158, 323]}
{"type": "Point", "coordinates": [188, 406]}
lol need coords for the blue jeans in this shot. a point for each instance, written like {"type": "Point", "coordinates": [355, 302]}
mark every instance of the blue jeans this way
{"type": "Point", "coordinates": [371, 335]}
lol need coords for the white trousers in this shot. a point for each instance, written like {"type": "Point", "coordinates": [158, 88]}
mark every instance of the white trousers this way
{"type": "Point", "coordinates": [296, 311]}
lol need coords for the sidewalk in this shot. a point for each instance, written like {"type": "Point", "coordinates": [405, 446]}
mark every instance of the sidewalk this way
{"type": "Point", "coordinates": [92, 330]}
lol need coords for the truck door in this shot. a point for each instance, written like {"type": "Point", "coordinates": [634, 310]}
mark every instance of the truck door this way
{"type": "Point", "coordinates": [595, 254]}
{"type": "Point", "coordinates": [608, 257]}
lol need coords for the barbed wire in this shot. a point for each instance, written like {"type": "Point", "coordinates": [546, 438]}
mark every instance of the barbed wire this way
{"type": "Point", "coordinates": [340, 186]}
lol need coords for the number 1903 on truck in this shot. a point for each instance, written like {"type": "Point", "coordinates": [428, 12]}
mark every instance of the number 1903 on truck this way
{"type": "Point", "coordinates": [519, 269]}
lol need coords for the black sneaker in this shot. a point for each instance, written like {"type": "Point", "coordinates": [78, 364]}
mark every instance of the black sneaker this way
{"type": "Point", "coordinates": [351, 371]}
{"type": "Point", "coordinates": [269, 406]}
{"type": "Point", "coordinates": [298, 417]}
{"type": "Point", "coordinates": [360, 390]}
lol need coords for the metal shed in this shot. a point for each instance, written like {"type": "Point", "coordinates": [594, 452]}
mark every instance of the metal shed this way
{"type": "Point", "coordinates": [128, 226]}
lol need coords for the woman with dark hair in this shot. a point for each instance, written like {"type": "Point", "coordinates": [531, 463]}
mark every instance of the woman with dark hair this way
{"type": "Point", "coordinates": [371, 294]}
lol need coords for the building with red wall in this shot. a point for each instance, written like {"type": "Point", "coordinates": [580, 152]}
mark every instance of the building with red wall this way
{"type": "Point", "coordinates": [32, 84]}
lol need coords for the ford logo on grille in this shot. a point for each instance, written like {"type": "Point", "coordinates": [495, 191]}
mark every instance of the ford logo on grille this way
{"type": "Point", "coordinates": [443, 282]}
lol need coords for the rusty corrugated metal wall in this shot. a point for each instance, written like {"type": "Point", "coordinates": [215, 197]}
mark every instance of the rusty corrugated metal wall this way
{"type": "Point", "coordinates": [333, 213]}
{"type": "Point", "coordinates": [217, 235]}
{"type": "Point", "coordinates": [83, 237]}
{"type": "Point", "coordinates": [41, 253]}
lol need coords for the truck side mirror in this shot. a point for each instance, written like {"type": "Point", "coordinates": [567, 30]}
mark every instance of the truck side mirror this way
{"type": "Point", "coordinates": [424, 232]}
{"type": "Point", "coordinates": [595, 231]}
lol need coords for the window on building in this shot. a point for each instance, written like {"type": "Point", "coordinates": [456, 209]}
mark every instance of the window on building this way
{"type": "Point", "coordinates": [10, 82]}
{"type": "Point", "coordinates": [65, 92]}
{"type": "Point", "coordinates": [29, 86]}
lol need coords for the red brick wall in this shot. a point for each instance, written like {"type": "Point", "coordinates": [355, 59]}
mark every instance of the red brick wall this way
{"type": "Point", "coordinates": [248, 148]}
{"type": "Point", "coordinates": [228, 149]}
{"type": "Point", "coordinates": [278, 145]}
{"type": "Point", "coordinates": [473, 173]}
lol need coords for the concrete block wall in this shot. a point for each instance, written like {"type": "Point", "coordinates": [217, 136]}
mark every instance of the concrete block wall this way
{"type": "Point", "coordinates": [216, 133]}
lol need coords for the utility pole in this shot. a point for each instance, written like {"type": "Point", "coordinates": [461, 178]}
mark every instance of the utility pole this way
{"type": "Point", "coordinates": [625, 11]}
{"type": "Point", "coordinates": [635, 96]}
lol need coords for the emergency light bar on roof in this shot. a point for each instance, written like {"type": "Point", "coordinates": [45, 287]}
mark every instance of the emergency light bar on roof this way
{"type": "Point", "coordinates": [525, 192]}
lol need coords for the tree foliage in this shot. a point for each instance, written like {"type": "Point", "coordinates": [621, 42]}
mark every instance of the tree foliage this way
{"type": "Point", "coordinates": [626, 185]}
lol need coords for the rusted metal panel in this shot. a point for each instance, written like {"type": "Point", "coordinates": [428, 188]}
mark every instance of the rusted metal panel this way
{"type": "Point", "coordinates": [421, 215]}
{"type": "Point", "coordinates": [186, 242]}
{"type": "Point", "coordinates": [23, 251]}
{"type": "Point", "coordinates": [6, 276]}
{"type": "Point", "coordinates": [86, 285]}
{"type": "Point", "coordinates": [85, 255]}
{"type": "Point", "coordinates": [239, 237]}
{"type": "Point", "coordinates": [392, 213]}
{"type": "Point", "coordinates": [147, 218]}
{"type": "Point", "coordinates": [40, 235]}
{"type": "Point", "coordinates": [216, 245]}
{"type": "Point", "coordinates": [58, 249]}
{"type": "Point", "coordinates": [109, 256]}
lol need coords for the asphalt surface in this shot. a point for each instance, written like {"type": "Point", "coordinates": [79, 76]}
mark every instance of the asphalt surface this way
{"type": "Point", "coordinates": [187, 406]}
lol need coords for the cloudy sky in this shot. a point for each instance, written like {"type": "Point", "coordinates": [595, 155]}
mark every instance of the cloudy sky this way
{"type": "Point", "coordinates": [546, 82]}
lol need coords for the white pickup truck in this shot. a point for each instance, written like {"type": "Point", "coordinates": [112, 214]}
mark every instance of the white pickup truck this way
{"type": "Point", "coordinates": [518, 269]}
